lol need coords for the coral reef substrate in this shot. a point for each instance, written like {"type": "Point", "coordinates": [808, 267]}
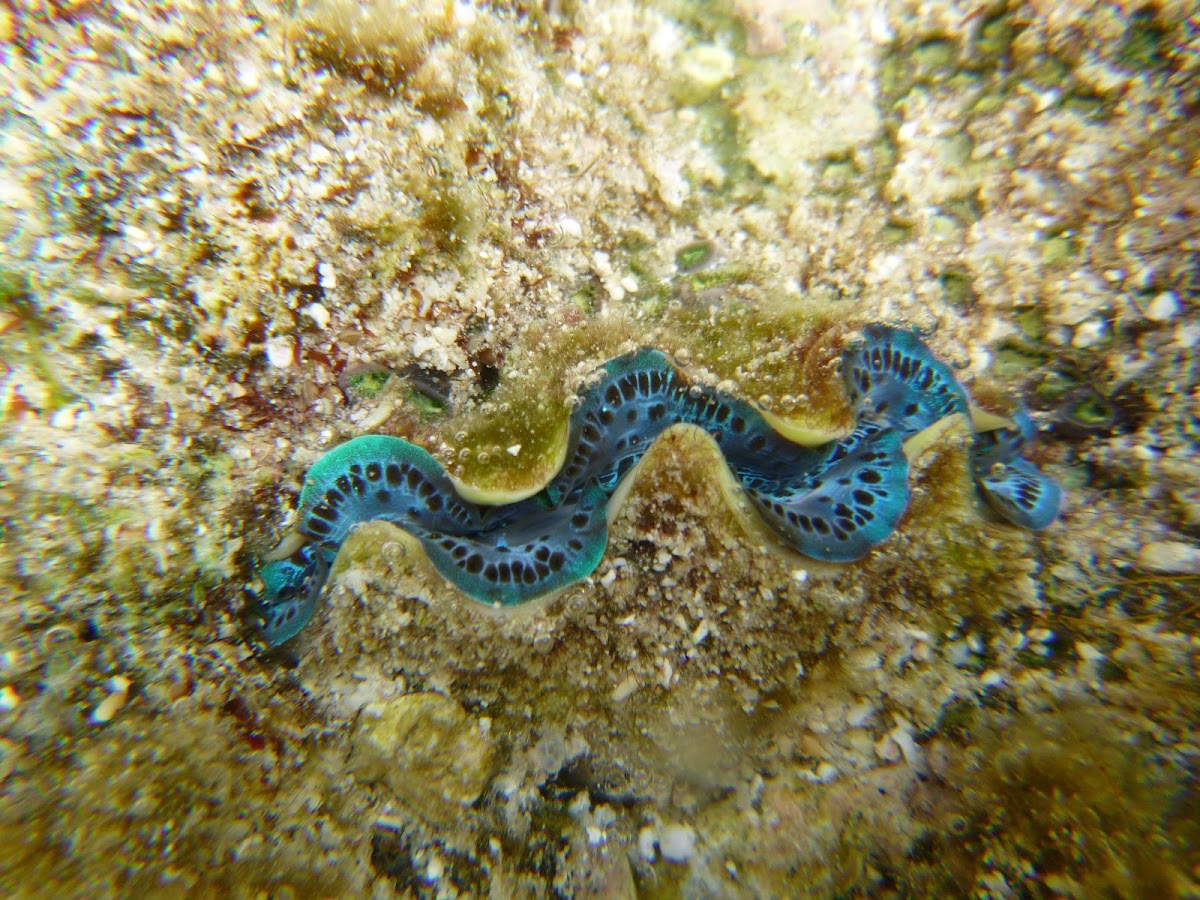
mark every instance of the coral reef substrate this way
{"type": "Point", "coordinates": [234, 235]}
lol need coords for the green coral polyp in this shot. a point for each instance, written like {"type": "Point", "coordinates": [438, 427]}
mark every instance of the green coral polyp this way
{"type": "Point", "coordinates": [832, 501]}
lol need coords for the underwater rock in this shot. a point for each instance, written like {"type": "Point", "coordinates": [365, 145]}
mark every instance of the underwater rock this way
{"type": "Point", "coordinates": [426, 749]}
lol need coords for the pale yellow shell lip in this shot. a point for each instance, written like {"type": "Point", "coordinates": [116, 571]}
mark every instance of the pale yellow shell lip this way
{"type": "Point", "coordinates": [494, 496]}
{"type": "Point", "coordinates": [802, 433]}
{"type": "Point", "coordinates": [982, 420]}
{"type": "Point", "coordinates": [929, 437]}
{"type": "Point", "coordinates": [292, 541]}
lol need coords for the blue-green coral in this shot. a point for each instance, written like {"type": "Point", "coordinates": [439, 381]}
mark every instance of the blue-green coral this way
{"type": "Point", "coordinates": [831, 502]}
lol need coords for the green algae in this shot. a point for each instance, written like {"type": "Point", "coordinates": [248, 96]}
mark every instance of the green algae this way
{"type": "Point", "coordinates": [933, 59]}
{"type": "Point", "coordinates": [718, 277]}
{"type": "Point", "coordinates": [449, 218]}
{"type": "Point", "coordinates": [838, 174]}
{"type": "Point", "coordinates": [1148, 44]}
{"type": "Point", "coordinates": [1032, 322]}
{"type": "Point", "coordinates": [693, 256]}
{"type": "Point", "coordinates": [368, 384]}
{"type": "Point", "coordinates": [1068, 794]}
{"type": "Point", "coordinates": [14, 288]}
{"type": "Point", "coordinates": [1013, 361]}
{"type": "Point", "coordinates": [1087, 104]}
{"type": "Point", "coordinates": [1059, 248]}
{"type": "Point", "coordinates": [1045, 71]}
{"type": "Point", "coordinates": [1033, 660]}
{"type": "Point", "coordinates": [957, 290]}
{"type": "Point", "coordinates": [32, 337]}
{"type": "Point", "coordinates": [428, 407]}
{"type": "Point", "coordinates": [957, 719]}
{"type": "Point", "coordinates": [586, 297]}
{"type": "Point", "coordinates": [896, 231]}
{"type": "Point", "coordinates": [995, 36]}
{"type": "Point", "coordinates": [914, 64]}
{"type": "Point", "coordinates": [1089, 411]}
{"type": "Point", "coordinates": [723, 133]}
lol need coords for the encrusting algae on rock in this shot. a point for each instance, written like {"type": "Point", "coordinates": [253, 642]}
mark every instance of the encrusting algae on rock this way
{"type": "Point", "coordinates": [234, 237]}
{"type": "Point", "coordinates": [429, 751]}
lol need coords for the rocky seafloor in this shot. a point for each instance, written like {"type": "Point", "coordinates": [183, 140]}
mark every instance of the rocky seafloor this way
{"type": "Point", "coordinates": [233, 235]}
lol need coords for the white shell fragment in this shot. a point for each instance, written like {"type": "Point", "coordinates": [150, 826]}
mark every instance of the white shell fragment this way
{"type": "Point", "coordinates": [280, 351]}
{"type": "Point", "coordinates": [647, 842]}
{"type": "Point", "coordinates": [1172, 557]}
{"type": "Point", "coordinates": [9, 698]}
{"type": "Point", "coordinates": [319, 314]}
{"type": "Point", "coordinates": [118, 687]}
{"type": "Point", "coordinates": [677, 843]}
{"type": "Point", "coordinates": [1163, 308]}
{"type": "Point", "coordinates": [626, 689]}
